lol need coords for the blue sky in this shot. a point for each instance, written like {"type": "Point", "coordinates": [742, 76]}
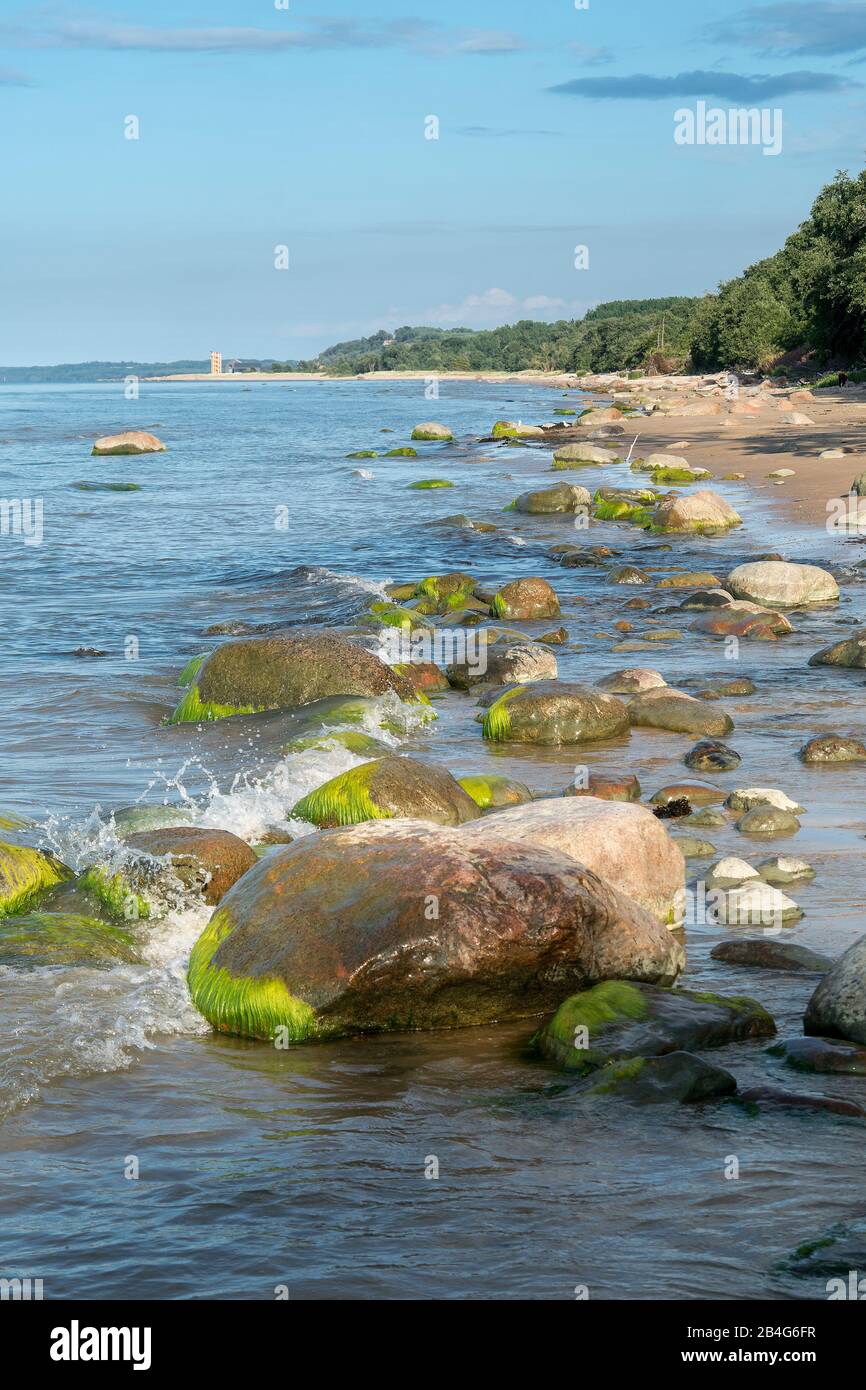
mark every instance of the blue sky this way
{"type": "Point", "coordinates": [263, 126]}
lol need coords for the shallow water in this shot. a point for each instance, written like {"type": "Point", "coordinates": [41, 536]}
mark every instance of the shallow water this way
{"type": "Point", "coordinates": [306, 1168]}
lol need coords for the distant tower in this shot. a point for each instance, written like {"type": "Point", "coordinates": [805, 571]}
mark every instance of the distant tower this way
{"type": "Point", "coordinates": [216, 364]}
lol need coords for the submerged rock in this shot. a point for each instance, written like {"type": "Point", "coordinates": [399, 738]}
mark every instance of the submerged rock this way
{"type": "Point", "coordinates": [835, 1255]}
{"type": "Point", "coordinates": [553, 713]}
{"type": "Point", "coordinates": [764, 952]}
{"type": "Point", "coordinates": [617, 1020]}
{"type": "Point", "coordinates": [130, 442]}
{"type": "Point", "coordinates": [385, 788]}
{"type": "Point", "coordinates": [837, 1009]}
{"type": "Point", "coordinates": [385, 927]}
{"type": "Point", "coordinates": [820, 1056]}
{"type": "Point", "coordinates": [63, 938]}
{"type": "Point", "coordinates": [784, 870]}
{"type": "Point", "coordinates": [622, 842]}
{"type": "Point", "coordinates": [260, 673]}
{"type": "Point", "coordinates": [677, 712]}
{"type": "Point", "coordinates": [768, 821]}
{"type": "Point", "coordinates": [677, 1076]}
{"type": "Point", "coordinates": [208, 861]}
{"type": "Point", "coordinates": [763, 1097]}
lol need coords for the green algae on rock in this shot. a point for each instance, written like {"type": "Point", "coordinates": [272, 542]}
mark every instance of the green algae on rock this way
{"type": "Point", "coordinates": [490, 791]}
{"type": "Point", "coordinates": [191, 670]}
{"type": "Point", "coordinates": [553, 713]}
{"type": "Point", "coordinates": [429, 484]}
{"type": "Point", "coordinates": [388, 787]}
{"type": "Point", "coordinates": [619, 1019]}
{"type": "Point", "coordinates": [402, 453]}
{"type": "Point", "coordinates": [63, 938]}
{"type": "Point", "coordinates": [432, 431]}
{"type": "Point", "coordinates": [276, 672]}
{"type": "Point", "coordinates": [115, 894]}
{"type": "Point", "coordinates": [524, 600]}
{"type": "Point", "coordinates": [25, 873]}
{"type": "Point", "coordinates": [397, 926]}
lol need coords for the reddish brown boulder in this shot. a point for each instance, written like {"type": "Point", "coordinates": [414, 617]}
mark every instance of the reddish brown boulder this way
{"type": "Point", "coordinates": [212, 860]}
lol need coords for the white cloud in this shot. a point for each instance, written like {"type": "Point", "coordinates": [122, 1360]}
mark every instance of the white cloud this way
{"type": "Point", "coordinates": [495, 306]}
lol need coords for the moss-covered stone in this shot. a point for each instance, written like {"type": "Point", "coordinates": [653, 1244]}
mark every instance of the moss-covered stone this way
{"type": "Point", "coordinates": [429, 484]}
{"type": "Point", "coordinates": [619, 1020]}
{"type": "Point", "coordinates": [388, 787]}
{"type": "Point", "coordinates": [490, 791]}
{"type": "Point", "coordinates": [552, 713]}
{"type": "Point", "coordinates": [403, 453]}
{"type": "Point", "coordinates": [254, 1006]}
{"type": "Point", "coordinates": [363, 454]}
{"type": "Point", "coordinates": [26, 873]}
{"type": "Point", "coordinates": [115, 894]}
{"type": "Point", "coordinates": [63, 938]}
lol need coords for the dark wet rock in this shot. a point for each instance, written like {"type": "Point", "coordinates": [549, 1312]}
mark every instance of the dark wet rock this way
{"type": "Point", "coordinates": [628, 574]}
{"type": "Point", "coordinates": [618, 1020]}
{"type": "Point", "coordinates": [768, 821]}
{"type": "Point", "coordinates": [553, 713]}
{"type": "Point", "coordinates": [706, 600]}
{"type": "Point", "coordinates": [836, 1255]}
{"type": "Point", "coordinates": [231, 627]}
{"type": "Point", "coordinates": [385, 788]}
{"type": "Point", "coordinates": [557, 638]}
{"type": "Point", "coordinates": [833, 748]}
{"type": "Point", "coordinates": [769, 1097]}
{"type": "Point", "coordinates": [88, 652]}
{"type": "Point", "coordinates": [678, 713]}
{"type": "Point", "coordinates": [820, 1056]}
{"type": "Point", "coordinates": [638, 603]}
{"type": "Point", "coordinates": [278, 672]}
{"type": "Point", "coordinates": [741, 685]}
{"type": "Point", "coordinates": [678, 1076]}
{"type": "Point", "coordinates": [403, 926]}
{"type": "Point", "coordinates": [837, 1009]}
{"type": "Point", "coordinates": [608, 786]}
{"type": "Point", "coordinates": [712, 756]}
{"type": "Point", "coordinates": [207, 861]}
{"type": "Point", "coordinates": [524, 600]}
{"type": "Point", "coordinates": [850, 652]}
{"type": "Point", "coordinates": [765, 952]}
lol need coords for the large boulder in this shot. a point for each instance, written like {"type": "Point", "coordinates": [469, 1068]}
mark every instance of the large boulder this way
{"type": "Point", "coordinates": [523, 600]}
{"type": "Point", "coordinates": [385, 788]}
{"type": "Point", "coordinates": [619, 1019]}
{"type": "Point", "coordinates": [779, 584]}
{"type": "Point", "coordinates": [623, 843]}
{"type": "Point", "coordinates": [837, 1009]}
{"type": "Point", "coordinates": [209, 861]}
{"type": "Point", "coordinates": [401, 926]}
{"type": "Point", "coordinates": [25, 874]}
{"type": "Point", "coordinates": [562, 497]}
{"type": "Point", "coordinates": [701, 511]}
{"type": "Point", "coordinates": [554, 712]}
{"type": "Point", "coordinates": [277, 672]}
{"type": "Point", "coordinates": [130, 442]}
{"type": "Point", "coordinates": [674, 710]}
{"type": "Point", "coordinates": [851, 652]}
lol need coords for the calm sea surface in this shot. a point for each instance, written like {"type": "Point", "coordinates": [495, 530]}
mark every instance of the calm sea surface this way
{"type": "Point", "coordinates": [307, 1168]}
